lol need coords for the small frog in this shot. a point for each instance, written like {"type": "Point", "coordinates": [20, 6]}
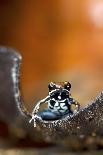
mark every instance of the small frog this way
{"type": "Point", "coordinates": [59, 102]}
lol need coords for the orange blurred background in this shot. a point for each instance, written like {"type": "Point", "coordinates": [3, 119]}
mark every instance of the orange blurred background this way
{"type": "Point", "coordinates": [59, 40]}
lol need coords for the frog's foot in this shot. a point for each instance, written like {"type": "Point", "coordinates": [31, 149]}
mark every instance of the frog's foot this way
{"type": "Point", "coordinates": [33, 119]}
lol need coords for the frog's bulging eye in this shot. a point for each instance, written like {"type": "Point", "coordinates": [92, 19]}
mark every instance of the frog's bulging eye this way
{"type": "Point", "coordinates": [67, 86]}
{"type": "Point", "coordinates": [51, 86]}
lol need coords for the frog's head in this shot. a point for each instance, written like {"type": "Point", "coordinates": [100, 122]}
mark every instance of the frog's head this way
{"type": "Point", "coordinates": [59, 91]}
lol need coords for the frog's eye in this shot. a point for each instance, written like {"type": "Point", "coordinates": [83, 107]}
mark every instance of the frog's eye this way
{"type": "Point", "coordinates": [51, 86]}
{"type": "Point", "coordinates": [67, 85]}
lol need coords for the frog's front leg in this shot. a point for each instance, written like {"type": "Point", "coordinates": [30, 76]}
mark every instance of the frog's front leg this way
{"type": "Point", "coordinates": [36, 109]}
{"type": "Point", "coordinates": [76, 103]}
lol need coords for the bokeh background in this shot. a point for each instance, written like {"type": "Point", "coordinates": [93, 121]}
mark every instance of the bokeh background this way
{"type": "Point", "coordinates": [59, 40]}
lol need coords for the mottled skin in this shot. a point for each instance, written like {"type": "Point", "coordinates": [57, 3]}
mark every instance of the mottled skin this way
{"type": "Point", "coordinates": [59, 100]}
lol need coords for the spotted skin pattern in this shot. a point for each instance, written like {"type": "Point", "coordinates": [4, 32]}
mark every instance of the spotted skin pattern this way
{"type": "Point", "coordinates": [59, 100]}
